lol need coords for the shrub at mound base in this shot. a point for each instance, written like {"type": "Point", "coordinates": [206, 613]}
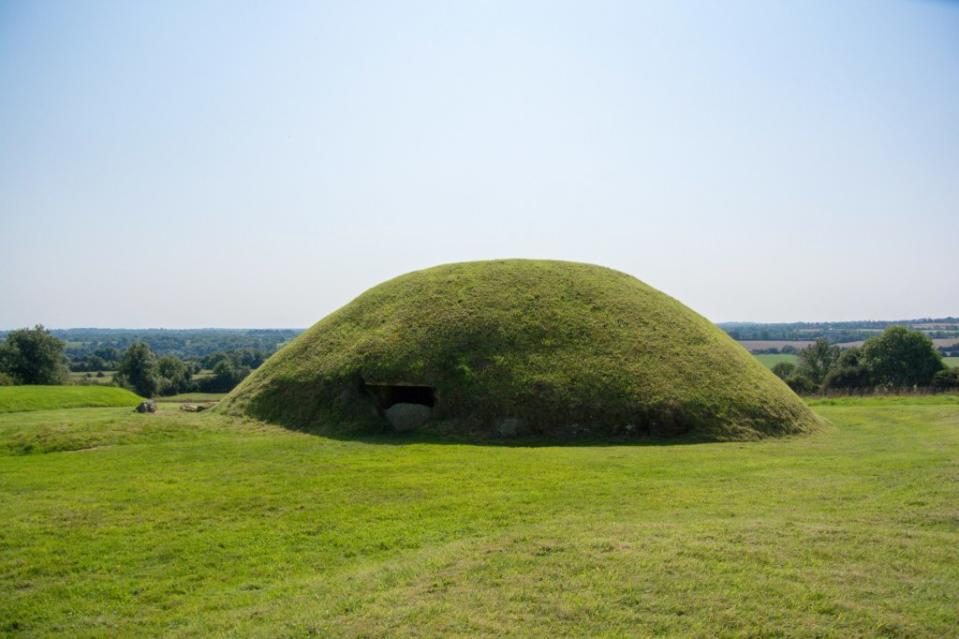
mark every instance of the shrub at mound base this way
{"type": "Point", "coordinates": [515, 347]}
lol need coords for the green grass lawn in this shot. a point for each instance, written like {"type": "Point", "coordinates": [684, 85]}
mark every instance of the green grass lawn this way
{"type": "Point", "coordinates": [124, 525]}
{"type": "Point", "coordinates": [770, 360]}
{"type": "Point", "coordinates": [952, 362]}
{"type": "Point", "coordinates": [23, 398]}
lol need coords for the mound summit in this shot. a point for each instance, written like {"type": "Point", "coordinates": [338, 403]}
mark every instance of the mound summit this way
{"type": "Point", "coordinates": [548, 348]}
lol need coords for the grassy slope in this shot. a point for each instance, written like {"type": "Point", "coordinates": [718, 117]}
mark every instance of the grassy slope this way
{"type": "Point", "coordinates": [198, 525]}
{"type": "Point", "coordinates": [24, 398]}
{"type": "Point", "coordinates": [552, 342]}
{"type": "Point", "coordinates": [951, 361]}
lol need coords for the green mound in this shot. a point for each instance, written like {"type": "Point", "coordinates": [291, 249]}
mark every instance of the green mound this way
{"type": "Point", "coordinates": [547, 348]}
{"type": "Point", "coordinates": [23, 398]}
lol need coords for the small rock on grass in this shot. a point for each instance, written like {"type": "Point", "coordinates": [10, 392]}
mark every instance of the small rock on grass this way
{"type": "Point", "coordinates": [146, 406]}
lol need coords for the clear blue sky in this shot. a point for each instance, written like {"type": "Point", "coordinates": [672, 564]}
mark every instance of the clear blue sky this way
{"type": "Point", "coordinates": [188, 164]}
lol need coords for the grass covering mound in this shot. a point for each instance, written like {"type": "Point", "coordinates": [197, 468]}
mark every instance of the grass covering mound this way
{"type": "Point", "coordinates": [23, 398]}
{"type": "Point", "coordinates": [555, 349]}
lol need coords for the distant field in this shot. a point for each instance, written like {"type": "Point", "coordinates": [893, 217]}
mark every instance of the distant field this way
{"type": "Point", "coordinates": [771, 360]}
{"type": "Point", "coordinates": [762, 344]}
{"type": "Point", "coordinates": [28, 398]}
{"type": "Point", "coordinates": [81, 378]}
{"type": "Point", "coordinates": [952, 362]}
{"type": "Point", "coordinates": [937, 341]}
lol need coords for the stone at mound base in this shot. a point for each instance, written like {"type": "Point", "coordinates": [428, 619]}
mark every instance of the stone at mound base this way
{"type": "Point", "coordinates": [529, 348]}
{"type": "Point", "coordinates": [510, 427]}
{"type": "Point", "coordinates": [668, 421]}
{"type": "Point", "coordinates": [405, 417]}
{"type": "Point", "coordinates": [146, 406]}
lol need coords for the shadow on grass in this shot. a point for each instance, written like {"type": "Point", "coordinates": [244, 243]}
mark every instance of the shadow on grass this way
{"type": "Point", "coordinates": [389, 438]}
{"type": "Point", "coordinates": [381, 434]}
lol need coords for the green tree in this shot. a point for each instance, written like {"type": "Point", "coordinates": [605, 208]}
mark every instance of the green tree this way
{"type": "Point", "coordinates": [946, 379]}
{"type": "Point", "coordinates": [225, 377]}
{"type": "Point", "coordinates": [849, 371]}
{"type": "Point", "coordinates": [800, 384]}
{"type": "Point", "coordinates": [33, 356]}
{"type": "Point", "coordinates": [784, 370]}
{"type": "Point", "coordinates": [95, 363]}
{"type": "Point", "coordinates": [109, 355]}
{"type": "Point", "coordinates": [139, 370]}
{"type": "Point", "coordinates": [816, 359]}
{"type": "Point", "coordinates": [901, 358]}
{"type": "Point", "coordinates": [174, 375]}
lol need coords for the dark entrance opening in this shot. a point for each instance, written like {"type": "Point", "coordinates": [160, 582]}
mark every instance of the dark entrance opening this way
{"type": "Point", "coordinates": [388, 394]}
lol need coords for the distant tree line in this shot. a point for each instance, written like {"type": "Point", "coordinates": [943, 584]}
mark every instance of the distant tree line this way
{"type": "Point", "coordinates": [838, 332]}
{"type": "Point", "coordinates": [36, 356]}
{"type": "Point", "coordinates": [788, 349]}
{"type": "Point", "coordinates": [109, 343]}
{"type": "Point", "coordinates": [104, 358]}
{"type": "Point", "coordinates": [897, 359]}
{"type": "Point", "coordinates": [141, 370]}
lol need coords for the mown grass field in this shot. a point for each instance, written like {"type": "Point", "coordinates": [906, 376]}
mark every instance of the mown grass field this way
{"type": "Point", "coordinates": [771, 359]}
{"type": "Point", "coordinates": [126, 525]}
{"type": "Point", "coordinates": [25, 398]}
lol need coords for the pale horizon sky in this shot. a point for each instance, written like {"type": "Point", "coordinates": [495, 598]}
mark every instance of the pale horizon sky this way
{"type": "Point", "coordinates": [230, 164]}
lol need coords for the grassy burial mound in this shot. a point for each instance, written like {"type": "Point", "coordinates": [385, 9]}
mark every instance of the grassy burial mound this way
{"type": "Point", "coordinates": [23, 398]}
{"type": "Point", "coordinates": [508, 347]}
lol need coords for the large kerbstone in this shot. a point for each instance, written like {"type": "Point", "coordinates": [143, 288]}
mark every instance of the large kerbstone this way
{"type": "Point", "coordinates": [510, 427]}
{"type": "Point", "coordinates": [405, 417]}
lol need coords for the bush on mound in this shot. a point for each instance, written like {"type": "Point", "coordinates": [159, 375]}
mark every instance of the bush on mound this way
{"type": "Point", "coordinates": [508, 347]}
